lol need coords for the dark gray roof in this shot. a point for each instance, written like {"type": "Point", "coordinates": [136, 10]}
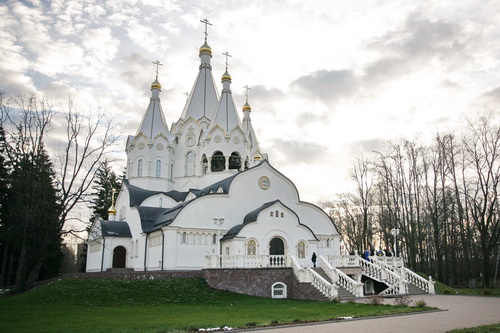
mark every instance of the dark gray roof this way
{"type": "Point", "coordinates": [138, 195]}
{"type": "Point", "coordinates": [252, 217]}
{"type": "Point", "coordinates": [115, 229]}
{"type": "Point", "coordinates": [153, 218]}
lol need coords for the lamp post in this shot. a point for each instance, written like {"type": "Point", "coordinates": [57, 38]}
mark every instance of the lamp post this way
{"type": "Point", "coordinates": [219, 221]}
{"type": "Point", "coordinates": [395, 234]}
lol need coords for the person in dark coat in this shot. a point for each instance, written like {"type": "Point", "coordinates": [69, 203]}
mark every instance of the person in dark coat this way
{"type": "Point", "coordinates": [313, 258]}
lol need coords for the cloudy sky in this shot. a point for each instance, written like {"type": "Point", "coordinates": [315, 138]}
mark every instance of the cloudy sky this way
{"type": "Point", "coordinates": [331, 80]}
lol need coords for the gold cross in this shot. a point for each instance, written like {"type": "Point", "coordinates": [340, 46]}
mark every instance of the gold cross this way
{"type": "Point", "coordinates": [227, 55]}
{"type": "Point", "coordinates": [247, 88]}
{"type": "Point", "coordinates": [157, 63]}
{"type": "Point", "coordinates": [205, 21]}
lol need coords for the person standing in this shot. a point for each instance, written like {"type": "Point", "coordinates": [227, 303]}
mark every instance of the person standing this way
{"type": "Point", "coordinates": [313, 258]}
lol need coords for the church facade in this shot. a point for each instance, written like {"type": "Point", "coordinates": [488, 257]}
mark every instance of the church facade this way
{"type": "Point", "coordinates": [203, 189]}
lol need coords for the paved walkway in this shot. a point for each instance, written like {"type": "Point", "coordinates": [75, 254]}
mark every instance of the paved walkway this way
{"type": "Point", "coordinates": [462, 312]}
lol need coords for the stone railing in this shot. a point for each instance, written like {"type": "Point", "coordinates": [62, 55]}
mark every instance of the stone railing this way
{"type": "Point", "coordinates": [302, 274]}
{"type": "Point", "coordinates": [407, 275]}
{"type": "Point", "coordinates": [381, 272]}
{"type": "Point", "coordinates": [417, 280]}
{"type": "Point", "coordinates": [244, 261]}
{"type": "Point", "coordinates": [390, 261]}
{"type": "Point", "coordinates": [325, 287]}
{"type": "Point", "coordinates": [340, 278]}
{"type": "Point", "coordinates": [343, 261]}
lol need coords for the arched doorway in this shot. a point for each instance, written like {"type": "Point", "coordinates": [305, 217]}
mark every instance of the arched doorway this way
{"type": "Point", "coordinates": [119, 257]}
{"type": "Point", "coordinates": [277, 247]}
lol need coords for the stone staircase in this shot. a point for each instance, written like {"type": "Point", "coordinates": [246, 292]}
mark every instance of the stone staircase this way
{"type": "Point", "coordinates": [343, 294]}
{"type": "Point", "coordinates": [414, 290]}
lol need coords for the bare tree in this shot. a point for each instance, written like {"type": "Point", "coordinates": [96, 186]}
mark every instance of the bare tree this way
{"type": "Point", "coordinates": [482, 153]}
{"type": "Point", "coordinates": [88, 139]}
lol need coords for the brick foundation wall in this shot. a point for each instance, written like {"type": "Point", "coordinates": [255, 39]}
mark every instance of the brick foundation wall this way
{"type": "Point", "coordinates": [259, 282]}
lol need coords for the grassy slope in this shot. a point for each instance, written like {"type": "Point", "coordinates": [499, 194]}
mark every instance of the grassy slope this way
{"type": "Point", "coordinates": [159, 306]}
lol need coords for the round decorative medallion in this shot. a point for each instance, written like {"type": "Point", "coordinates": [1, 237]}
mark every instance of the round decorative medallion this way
{"type": "Point", "coordinates": [159, 146]}
{"type": "Point", "coordinates": [190, 141]}
{"type": "Point", "coordinates": [264, 183]}
{"type": "Point", "coordinates": [236, 139]}
{"type": "Point", "coordinates": [217, 138]}
{"type": "Point", "coordinates": [141, 145]}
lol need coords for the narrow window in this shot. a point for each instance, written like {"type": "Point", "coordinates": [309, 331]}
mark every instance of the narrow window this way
{"type": "Point", "coordinates": [190, 164]}
{"type": "Point", "coordinates": [158, 168]}
{"type": "Point", "coordinates": [139, 168]}
{"type": "Point", "coordinates": [301, 250]}
{"type": "Point", "coordinates": [184, 238]}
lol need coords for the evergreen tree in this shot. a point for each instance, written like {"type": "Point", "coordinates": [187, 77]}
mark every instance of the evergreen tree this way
{"type": "Point", "coordinates": [33, 217]}
{"type": "Point", "coordinates": [105, 182]}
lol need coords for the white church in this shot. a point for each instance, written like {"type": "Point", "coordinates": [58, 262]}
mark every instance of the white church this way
{"type": "Point", "coordinates": [201, 194]}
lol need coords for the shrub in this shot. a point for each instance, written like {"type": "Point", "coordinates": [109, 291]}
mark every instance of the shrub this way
{"type": "Point", "coordinates": [446, 291]}
{"type": "Point", "coordinates": [420, 304]}
{"type": "Point", "coordinates": [402, 300]}
{"type": "Point", "coordinates": [375, 300]}
{"type": "Point", "coordinates": [487, 292]}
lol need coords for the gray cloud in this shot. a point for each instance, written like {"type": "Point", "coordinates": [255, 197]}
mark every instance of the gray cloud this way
{"type": "Point", "coordinates": [491, 98]}
{"type": "Point", "coordinates": [420, 43]}
{"type": "Point", "coordinates": [294, 152]}
{"type": "Point", "coordinates": [327, 86]}
{"type": "Point", "coordinates": [367, 147]}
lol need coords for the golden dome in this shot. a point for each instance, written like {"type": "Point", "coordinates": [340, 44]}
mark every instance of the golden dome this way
{"type": "Point", "coordinates": [247, 107]}
{"type": "Point", "coordinates": [156, 85]}
{"type": "Point", "coordinates": [226, 76]}
{"type": "Point", "coordinates": [205, 49]}
{"type": "Point", "coordinates": [112, 210]}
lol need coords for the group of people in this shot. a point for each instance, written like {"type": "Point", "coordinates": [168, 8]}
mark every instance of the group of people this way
{"type": "Point", "coordinates": [367, 254]}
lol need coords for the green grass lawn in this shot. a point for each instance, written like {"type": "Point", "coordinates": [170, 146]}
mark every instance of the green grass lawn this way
{"type": "Point", "coordinates": [495, 328]}
{"type": "Point", "coordinates": [177, 305]}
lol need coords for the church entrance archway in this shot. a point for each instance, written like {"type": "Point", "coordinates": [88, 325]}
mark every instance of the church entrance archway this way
{"type": "Point", "coordinates": [277, 247]}
{"type": "Point", "coordinates": [119, 256]}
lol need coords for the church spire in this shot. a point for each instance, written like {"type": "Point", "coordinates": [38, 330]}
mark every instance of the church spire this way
{"type": "Point", "coordinates": [153, 122]}
{"type": "Point", "coordinates": [225, 115]}
{"type": "Point", "coordinates": [203, 98]}
{"type": "Point", "coordinates": [247, 124]}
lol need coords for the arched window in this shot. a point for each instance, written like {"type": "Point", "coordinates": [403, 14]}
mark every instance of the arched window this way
{"type": "Point", "coordinates": [328, 242]}
{"type": "Point", "coordinates": [158, 168]}
{"type": "Point", "coordinates": [272, 214]}
{"type": "Point", "coordinates": [301, 250]}
{"type": "Point", "coordinates": [184, 238]}
{"type": "Point", "coordinates": [171, 172]}
{"type": "Point", "coordinates": [204, 164]}
{"type": "Point", "coordinates": [235, 161]}
{"type": "Point", "coordinates": [251, 248]}
{"type": "Point", "coordinates": [227, 251]}
{"type": "Point", "coordinates": [190, 163]}
{"type": "Point", "coordinates": [218, 162]}
{"type": "Point", "coordinates": [214, 239]}
{"type": "Point", "coordinates": [282, 215]}
{"type": "Point", "coordinates": [279, 290]}
{"type": "Point", "coordinates": [139, 168]}
{"type": "Point", "coordinates": [277, 214]}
